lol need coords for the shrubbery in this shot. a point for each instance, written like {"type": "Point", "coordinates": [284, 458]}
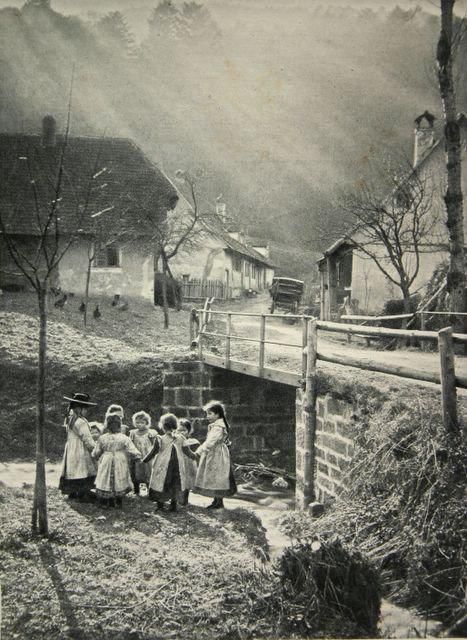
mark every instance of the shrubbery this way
{"type": "Point", "coordinates": [404, 508]}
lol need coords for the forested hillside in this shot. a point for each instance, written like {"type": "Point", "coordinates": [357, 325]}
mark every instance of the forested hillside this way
{"type": "Point", "coordinates": [282, 104]}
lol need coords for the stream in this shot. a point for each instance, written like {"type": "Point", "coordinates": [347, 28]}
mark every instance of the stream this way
{"type": "Point", "coordinates": [396, 622]}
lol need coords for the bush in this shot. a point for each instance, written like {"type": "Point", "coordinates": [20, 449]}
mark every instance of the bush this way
{"type": "Point", "coordinates": [328, 589]}
{"type": "Point", "coordinates": [403, 507]}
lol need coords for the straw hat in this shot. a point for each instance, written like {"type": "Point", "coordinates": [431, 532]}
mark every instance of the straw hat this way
{"type": "Point", "coordinates": [82, 399]}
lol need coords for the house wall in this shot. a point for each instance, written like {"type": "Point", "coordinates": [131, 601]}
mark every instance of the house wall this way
{"type": "Point", "coordinates": [372, 289]}
{"type": "Point", "coordinates": [211, 261]}
{"type": "Point", "coordinates": [133, 278]}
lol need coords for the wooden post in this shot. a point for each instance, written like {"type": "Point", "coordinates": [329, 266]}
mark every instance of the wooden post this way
{"type": "Point", "coordinates": [309, 416]}
{"type": "Point", "coordinates": [304, 343]}
{"type": "Point", "coordinates": [227, 340]}
{"type": "Point", "coordinates": [200, 335]}
{"type": "Point", "coordinates": [422, 328]}
{"type": "Point", "coordinates": [262, 335]}
{"type": "Point", "coordinates": [448, 380]}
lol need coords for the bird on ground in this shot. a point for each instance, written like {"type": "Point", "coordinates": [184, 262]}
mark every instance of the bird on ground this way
{"type": "Point", "coordinates": [96, 313]}
{"type": "Point", "coordinates": [123, 306]}
{"type": "Point", "coordinates": [82, 307]}
{"type": "Point", "coordinates": [61, 302]}
{"type": "Point", "coordinates": [116, 300]}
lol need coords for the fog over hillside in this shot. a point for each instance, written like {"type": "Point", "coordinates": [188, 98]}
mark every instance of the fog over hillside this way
{"type": "Point", "coordinates": [284, 104]}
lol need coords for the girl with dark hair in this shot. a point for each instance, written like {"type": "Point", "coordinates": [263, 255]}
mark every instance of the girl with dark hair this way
{"type": "Point", "coordinates": [78, 469]}
{"type": "Point", "coordinates": [112, 450]}
{"type": "Point", "coordinates": [215, 476]}
{"type": "Point", "coordinates": [168, 480]}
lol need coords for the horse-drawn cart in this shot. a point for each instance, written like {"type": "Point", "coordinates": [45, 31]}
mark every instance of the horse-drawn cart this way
{"type": "Point", "coordinates": [286, 293]}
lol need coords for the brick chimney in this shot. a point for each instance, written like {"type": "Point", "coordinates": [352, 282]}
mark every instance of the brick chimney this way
{"type": "Point", "coordinates": [49, 132]}
{"type": "Point", "coordinates": [424, 136]}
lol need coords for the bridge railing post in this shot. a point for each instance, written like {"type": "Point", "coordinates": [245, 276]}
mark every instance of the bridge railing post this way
{"type": "Point", "coordinates": [448, 380]}
{"type": "Point", "coordinates": [262, 337]}
{"type": "Point", "coordinates": [227, 340]}
{"type": "Point", "coordinates": [304, 344]}
{"type": "Point", "coordinates": [201, 333]}
{"type": "Point", "coordinates": [309, 418]}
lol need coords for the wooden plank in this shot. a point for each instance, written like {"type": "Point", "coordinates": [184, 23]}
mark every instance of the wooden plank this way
{"type": "Point", "coordinates": [448, 381]}
{"type": "Point", "coordinates": [402, 316]}
{"type": "Point", "coordinates": [250, 369]}
{"type": "Point", "coordinates": [394, 370]}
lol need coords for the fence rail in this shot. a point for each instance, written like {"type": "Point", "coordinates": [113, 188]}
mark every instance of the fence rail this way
{"type": "Point", "coordinates": [199, 288]}
{"type": "Point", "coordinates": [309, 349]}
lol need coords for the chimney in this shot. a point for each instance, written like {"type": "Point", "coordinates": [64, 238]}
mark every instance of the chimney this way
{"type": "Point", "coordinates": [424, 136]}
{"type": "Point", "coordinates": [49, 132]}
{"type": "Point", "coordinates": [221, 211]}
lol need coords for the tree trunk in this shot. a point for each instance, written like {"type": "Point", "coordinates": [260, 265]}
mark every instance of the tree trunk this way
{"type": "Point", "coordinates": [86, 290]}
{"type": "Point", "coordinates": [165, 302]}
{"type": "Point", "coordinates": [453, 197]}
{"type": "Point", "coordinates": [39, 511]}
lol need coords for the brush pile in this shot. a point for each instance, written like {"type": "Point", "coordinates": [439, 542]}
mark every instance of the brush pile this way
{"type": "Point", "coordinates": [404, 508]}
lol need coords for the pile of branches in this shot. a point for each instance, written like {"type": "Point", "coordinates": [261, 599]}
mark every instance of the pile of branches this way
{"type": "Point", "coordinates": [317, 589]}
{"type": "Point", "coordinates": [259, 472]}
{"type": "Point", "coordinates": [404, 508]}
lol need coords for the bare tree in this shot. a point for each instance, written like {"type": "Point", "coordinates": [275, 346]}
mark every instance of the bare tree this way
{"type": "Point", "coordinates": [394, 231]}
{"type": "Point", "coordinates": [453, 198]}
{"type": "Point", "coordinates": [37, 260]}
{"type": "Point", "coordinates": [183, 228]}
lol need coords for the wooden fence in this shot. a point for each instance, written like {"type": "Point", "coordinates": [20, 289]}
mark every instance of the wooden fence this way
{"type": "Point", "coordinates": [199, 288]}
{"type": "Point", "coordinates": [310, 354]}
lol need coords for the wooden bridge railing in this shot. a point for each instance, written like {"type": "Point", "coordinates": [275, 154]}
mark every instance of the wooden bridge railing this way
{"type": "Point", "coordinates": [310, 353]}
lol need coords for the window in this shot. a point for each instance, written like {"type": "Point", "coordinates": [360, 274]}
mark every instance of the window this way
{"type": "Point", "coordinates": [253, 270]}
{"type": "Point", "coordinates": [107, 257]}
{"type": "Point", "coordinates": [237, 263]}
{"type": "Point", "coordinates": [185, 277]}
{"type": "Point", "coordinates": [247, 268]}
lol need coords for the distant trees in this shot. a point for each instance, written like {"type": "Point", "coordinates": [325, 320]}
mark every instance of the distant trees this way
{"type": "Point", "coordinates": [114, 34]}
{"type": "Point", "coordinates": [447, 44]}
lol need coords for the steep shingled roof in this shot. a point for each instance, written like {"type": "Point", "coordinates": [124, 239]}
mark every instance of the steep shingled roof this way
{"type": "Point", "coordinates": [110, 174]}
{"type": "Point", "coordinates": [239, 247]}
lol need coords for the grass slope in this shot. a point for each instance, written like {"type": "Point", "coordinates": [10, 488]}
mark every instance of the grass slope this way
{"type": "Point", "coordinates": [133, 573]}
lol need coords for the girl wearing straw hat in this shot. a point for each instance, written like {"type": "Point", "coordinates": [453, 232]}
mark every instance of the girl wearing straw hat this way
{"type": "Point", "coordinates": [78, 469]}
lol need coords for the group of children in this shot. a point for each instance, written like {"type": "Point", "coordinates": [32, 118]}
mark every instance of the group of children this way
{"type": "Point", "coordinates": [114, 459]}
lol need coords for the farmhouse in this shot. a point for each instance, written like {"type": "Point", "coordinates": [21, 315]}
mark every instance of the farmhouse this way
{"type": "Point", "coordinates": [222, 263]}
{"type": "Point", "coordinates": [346, 273]}
{"type": "Point", "coordinates": [105, 185]}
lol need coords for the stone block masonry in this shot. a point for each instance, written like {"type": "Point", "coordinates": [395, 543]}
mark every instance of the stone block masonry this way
{"type": "Point", "coordinates": [334, 445]}
{"type": "Point", "coordinates": [261, 412]}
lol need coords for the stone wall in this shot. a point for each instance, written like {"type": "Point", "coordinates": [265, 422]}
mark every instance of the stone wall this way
{"type": "Point", "coordinates": [261, 412]}
{"type": "Point", "coordinates": [333, 446]}
{"type": "Point", "coordinates": [333, 438]}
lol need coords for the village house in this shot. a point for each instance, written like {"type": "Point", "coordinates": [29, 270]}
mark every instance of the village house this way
{"type": "Point", "coordinates": [106, 185]}
{"type": "Point", "coordinates": [348, 275]}
{"type": "Point", "coordinates": [222, 264]}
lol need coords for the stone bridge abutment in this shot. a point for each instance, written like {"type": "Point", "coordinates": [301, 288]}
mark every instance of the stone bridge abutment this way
{"type": "Point", "coordinates": [269, 416]}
